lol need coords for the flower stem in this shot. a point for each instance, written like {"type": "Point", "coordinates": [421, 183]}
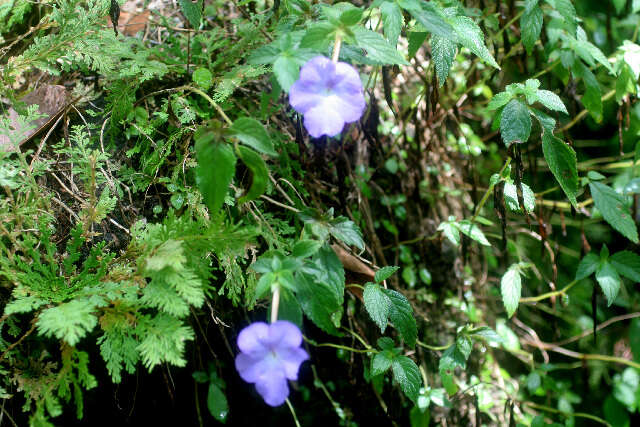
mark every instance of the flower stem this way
{"type": "Point", "coordinates": [275, 302]}
{"type": "Point", "coordinates": [336, 48]}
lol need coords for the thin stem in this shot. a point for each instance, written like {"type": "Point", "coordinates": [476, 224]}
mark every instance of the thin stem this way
{"type": "Point", "coordinates": [549, 294]}
{"type": "Point", "coordinates": [489, 190]}
{"type": "Point", "coordinates": [275, 303]}
{"type": "Point", "coordinates": [293, 412]}
{"type": "Point", "coordinates": [336, 48]}
{"type": "Point", "coordinates": [572, 414]}
{"type": "Point", "coordinates": [211, 101]}
{"type": "Point", "coordinates": [433, 347]}
{"type": "Point", "coordinates": [342, 347]}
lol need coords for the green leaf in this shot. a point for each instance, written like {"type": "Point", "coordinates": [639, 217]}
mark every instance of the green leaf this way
{"type": "Point", "coordinates": [472, 231]}
{"type": "Point", "coordinates": [562, 163]}
{"type": "Point", "coordinates": [346, 231]}
{"type": "Point", "coordinates": [587, 266]}
{"type": "Point", "coordinates": [305, 248]}
{"type": "Point", "coordinates": [515, 123]}
{"type": "Point", "coordinates": [192, 11]}
{"type": "Point", "coordinates": [203, 78]}
{"type": "Point", "coordinates": [320, 289]}
{"type": "Point", "coordinates": [511, 197]}
{"type": "Point", "coordinates": [470, 36]}
{"type": "Point", "coordinates": [443, 52]}
{"type": "Point", "coordinates": [251, 132]}
{"type": "Point", "coordinates": [377, 304]}
{"type": "Point", "coordinates": [627, 264]}
{"type": "Point", "coordinates": [634, 338]}
{"type": "Point", "coordinates": [216, 168]}
{"type": "Point", "coordinates": [407, 375]}
{"type": "Point", "coordinates": [530, 27]}
{"type": "Point", "coordinates": [286, 70]}
{"type": "Point", "coordinates": [511, 288]}
{"type": "Point", "coordinates": [378, 49]}
{"type": "Point", "coordinates": [428, 15]}
{"type": "Point", "coordinates": [386, 343]}
{"type": "Point", "coordinates": [416, 38]}
{"type": "Point", "coordinates": [566, 9]}
{"type": "Point", "coordinates": [384, 273]}
{"type": "Point", "coordinates": [259, 173]}
{"type": "Point", "coordinates": [591, 99]}
{"type": "Point", "coordinates": [351, 16]}
{"type": "Point", "coordinates": [69, 322]}
{"type": "Point", "coordinates": [609, 281]}
{"type": "Point", "coordinates": [451, 231]}
{"type": "Point", "coordinates": [614, 210]}
{"type": "Point", "coordinates": [318, 37]}
{"type": "Point", "coordinates": [551, 101]}
{"type": "Point", "coordinates": [392, 20]}
{"type": "Point", "coordinates": [498, 100]}
{"type": "Point", "coordinates": [289, 308]}
{"type": "Point", "coordinates": [401, 315]}
{"type": "Point", "coordinates": [217, 403]}
{"type": "Point", "coordinates": [486, 333]}
{"type": "Point", "coordinates": [381, 362]}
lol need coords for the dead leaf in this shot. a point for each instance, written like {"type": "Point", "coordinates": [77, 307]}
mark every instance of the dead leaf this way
{"type": "Point", "coordinates": [51, 101]}
{"type": "Point", "coordinates": [131, 22]}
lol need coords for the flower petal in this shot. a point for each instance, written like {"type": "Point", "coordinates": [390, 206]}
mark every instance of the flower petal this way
{"type": "Point", "coordinates": [291, 359]}
{"type": "Point", "coordinates": [321, 120]}
{"type": "Point", "coordinates": [284, 334]}
{"type": "Point", "coordinates": [273, 388]}
{"type": "Point", "coordinates": [251, 369]}
{"type": "Point", "coordinates": [252, 339]}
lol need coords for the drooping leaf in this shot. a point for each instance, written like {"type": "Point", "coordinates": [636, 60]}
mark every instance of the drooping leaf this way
{"type": "Point", "coordinates": [511, 288]}
{"type": "Point", "coordinates": [614, 210]}
{"type": "Point", "coordinates": [192, 11]}
{"type": "Point", "coordinates": [407, 375]}
{"type": "Point", "coordinates": [216, 167]}
{"type": "Point", "coordinates": [346, 231]}
{"type": "Point", "coordinates": [384, 273]}
{"type": "Point", "coordinates": [609, 281]}
{"type": "Point", "coordinates": [378, 49]}
{"type": "Point", "coordinates": [469, 35]}
{"type": "Point", "coordinates": [499, 100]}
{"type": "Point", "coordinates": [381, 362]}
{"type": "Point", "coordinates": [472, 231]}
{"type": "Point", "coordinates": [515, 123]}
{"type": "Point", "coordinates": [443, 52]}
{"type": "Point", "coordinates": [429, 16]}
{"type": "Point", "coordinates": [377, 304]}
{"type": "Point", "coordinates": [392, 21]}
{"type": "Point", "coordinates": [562, 163]}
{"type": "Point", "coordinates": [511, 197]}
{"type": "Point", "coordinates": [551, 100]}
{"type": "Point", "coordinates": [587, 266]}
{"type": "Point", "coordinates": [217, 403]}
{"type": "Point", "coordinates": [305, 248]}
{"type": "Point", "coordinates": [530, 27]}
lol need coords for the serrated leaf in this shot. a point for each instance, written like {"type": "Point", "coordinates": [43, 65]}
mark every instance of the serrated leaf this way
{"type": "Point", "coordinates": [416, 38]}
{"type": "Point", "coordinates": [318, 37]}
{"type": "Point", "coordinates": [392, 20]}
{"type": "Point", "coordinates": [511, 288]}
{"type": "Point", "coordinates": [511, 197]}
{"type": "Point", "coordinates": [443, 52]}
{"type": "Point", "coordinates": [515, 123]}
{"type": "Point", "coordinates": [551, 101]}
{"type": "Point", "coordinates": [591, 99]}
{"type": "Point", "coordinates": [470, 36]}
{"type": "Point", "coordinates": [380, 363]}
{"type": "Point", "coordinates": [609, 281]}
{"type": "Point", "coordinates": [217, 403]}
{"type": "Point", "coordinates": [451, 231]}
{"type": "Point", "coordinates": [486, 333]}
{"type": "Point", "coordinates": [286, 70]}
{"type": "Point", "coordinates": [259, 173]}
{"type": "Point", "coordinates": [562, 163]}
{"type": "Point", "coordinates": [251, 132]}
{"type": "Point", "coordinates": [69, 322]}
{"type": "Point", "coordinates": [530, 27]}
{"type": "Point", "coordinates": [498, 100]}
{"type": "Point", "coordinates": [627, 264]}
{"type": "Point", "coordinates": [384, 273]}
{"type": "Point", "coordinates": [428, 15]}
{"type": "Point", "coordinates": [192, 11]}
{"type": "Point", "coordinates": [614, 210]}
{"type": "Point", "coordinates": [386, 343]}
{"type": "Point", "coordinates": [378, 49]}
{"type": "Point", "coordinates": [587, 266]}
{"type": "Point", "coordinates": [215, 170]}
{"type": "Point", "coordinates": [377, 304]}
{"type": "Point", "coordinates": [401, 315]}
{"type": "Point", "coordinates": [407, 375]}
{"type": "Point", "coordinates": [351, 16]}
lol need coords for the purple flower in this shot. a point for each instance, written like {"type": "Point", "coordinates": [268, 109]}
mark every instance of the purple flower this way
{"type": "Point", "coordinates": [269, 355]}
{"type": "Point", "coordinates": [328, 94]}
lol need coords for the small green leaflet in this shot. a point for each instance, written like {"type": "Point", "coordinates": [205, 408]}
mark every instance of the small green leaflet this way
{"type": "Point", "coordinates": [401, 315]}
{"type": "Point", "coordinates": [203, 78]}
{"type": "Point", "coordinates": [562, 163]}
{"type": "Point", "coordinates": [192, 11]}
{"type": "Point", "coordinates": [217, 403]}
{"type": "Point", "coordinates": [587, 266]}
{"type": "Point", "coordinates": [392, 21]}
{"type": "Point", "coordinates": [381, 362]}
{"type": "Point", "coordinates": [511, 197]}
{"type": "Point", "coordinates": [609, 281]}
{"type": "Point", "coordinates": [451, 229]}
{"type": "Point", "coordinates": [305, 248]}
{"type": "Point", "coordinates": [614, 210]}
{"type": "Point", "coordinates": [551, 100]}
{"type": "Point", "coordinates": [515, 123]}
{"type": "Point", "coordinates": [470, 36]}
{"type": "Point", "coordinates": [429, 16]}
{"type": "Point", "coordinates": [499, 100]}
{"type": "Point", "coordinates": [384, 273]}
{"type": "Point", "coordinates": [627, 264]}
{"type": "Point", "coordinates": [511, 288]}
{"type": "Point", "coordinates": [346, 231]}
